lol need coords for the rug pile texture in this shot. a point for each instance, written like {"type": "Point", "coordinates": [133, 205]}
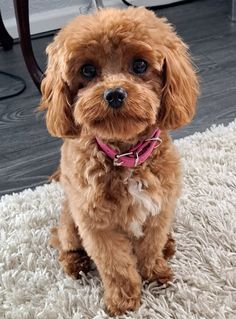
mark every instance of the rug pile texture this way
{"type": "Point", "coordinates": [32, 284]}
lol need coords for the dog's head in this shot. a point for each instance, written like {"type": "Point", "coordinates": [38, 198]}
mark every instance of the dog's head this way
{"type": "Point", "coordinates": [116, 73]}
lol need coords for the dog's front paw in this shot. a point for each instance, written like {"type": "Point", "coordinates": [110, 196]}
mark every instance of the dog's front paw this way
{"type": "Point", "coordinates": [124, 298]}
{"type": "Point", "coordinates": [119, 305]}
{"type": "Point", "coordinates": [160, 271]}
{"type": "Point", "coordinates": [73, 262]}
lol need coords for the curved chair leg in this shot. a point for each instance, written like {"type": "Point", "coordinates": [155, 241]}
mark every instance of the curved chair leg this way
{"type": "Point", "coordinates": [22, 18]}
{"type": "Point", "coordinates": [5, 38]}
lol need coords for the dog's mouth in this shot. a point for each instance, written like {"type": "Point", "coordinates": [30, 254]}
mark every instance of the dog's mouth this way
{"type": "Point", "coordinates": [120, 125]}
{"type": "Point", "coordinates": [115, 119]}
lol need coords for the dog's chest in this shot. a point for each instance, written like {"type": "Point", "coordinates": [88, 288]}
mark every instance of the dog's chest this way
{"type": "Point", "coordinates": [143, 204]}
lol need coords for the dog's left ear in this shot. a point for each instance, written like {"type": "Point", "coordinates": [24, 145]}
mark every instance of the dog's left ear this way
{"type": "Point", "coordinates": [180, 86]}
{"type": "Point", "coordinates": [180, 83]}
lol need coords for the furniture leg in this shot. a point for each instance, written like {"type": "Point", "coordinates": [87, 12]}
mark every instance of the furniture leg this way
{"type": "Point", "coordinates": [22, 18]}
{"type": "Point", "coordinates": [5, 38]}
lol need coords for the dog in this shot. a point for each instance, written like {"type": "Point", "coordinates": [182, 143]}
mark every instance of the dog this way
{"type": "Point", "coordinates": [116, 82]}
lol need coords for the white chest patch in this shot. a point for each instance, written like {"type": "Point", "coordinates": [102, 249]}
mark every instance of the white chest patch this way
{"type": "Point", "coordinates": [146, 206]}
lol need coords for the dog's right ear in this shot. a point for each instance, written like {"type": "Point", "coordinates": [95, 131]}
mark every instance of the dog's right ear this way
{"type": "Point", "coordinates": [56, 96]}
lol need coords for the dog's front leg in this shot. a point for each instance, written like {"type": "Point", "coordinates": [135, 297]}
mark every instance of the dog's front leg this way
{"type": "Point", "coordinates": [155, 246]}
{"type": "Point", "coordinates": [113, 256]}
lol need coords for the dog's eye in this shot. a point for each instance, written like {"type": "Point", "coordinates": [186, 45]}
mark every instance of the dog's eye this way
{"type": "Point", "coordinates": [88, 71]}
{"type": "Point", "coordinates": [139, 66]}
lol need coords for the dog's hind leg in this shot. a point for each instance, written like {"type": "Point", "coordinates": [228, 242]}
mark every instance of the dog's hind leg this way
{"type": "Point", "coordinates": [66, 239]}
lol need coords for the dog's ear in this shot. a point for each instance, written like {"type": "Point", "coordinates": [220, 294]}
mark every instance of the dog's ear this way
{"type": "Point", "coordinates": [180, 86]}
{"type": "Point", "coordinates": [56, 96]}
{"type": "Point", "coordinates": [180, 83]}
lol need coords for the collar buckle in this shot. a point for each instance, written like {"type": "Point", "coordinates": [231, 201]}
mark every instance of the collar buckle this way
{"type": "Point", "coordinates": [116, 161]}
{"type": "Point", "coordinates": [118, 156]}
{"type": "Point", "coordinates": [136, 159]}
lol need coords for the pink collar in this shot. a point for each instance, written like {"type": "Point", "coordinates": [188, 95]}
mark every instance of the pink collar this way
{"type": "Point", "coordinates": [136, 155]}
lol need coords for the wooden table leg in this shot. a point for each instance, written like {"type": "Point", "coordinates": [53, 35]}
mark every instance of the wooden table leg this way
{"type": "Point", "coordinates": [5, 38]}
{"type": "Point", "coordinates": [22, 18]}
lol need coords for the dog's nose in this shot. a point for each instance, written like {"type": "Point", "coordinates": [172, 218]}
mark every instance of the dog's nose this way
{"type": "Point", "coordinates": [115, 97]}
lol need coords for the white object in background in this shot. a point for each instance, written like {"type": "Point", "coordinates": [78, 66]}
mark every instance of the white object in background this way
{"type": "Point", "coordinates": [151, 3]}
{"type": "Point", "coordinates": [50, 19]}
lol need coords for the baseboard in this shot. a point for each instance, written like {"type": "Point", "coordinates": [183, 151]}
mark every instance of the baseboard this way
{"type": "Point", "coordinates": [48, 20]}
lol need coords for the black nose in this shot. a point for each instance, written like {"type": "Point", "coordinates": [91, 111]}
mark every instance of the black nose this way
{"type": "Point", "coordinates": [115, 97]}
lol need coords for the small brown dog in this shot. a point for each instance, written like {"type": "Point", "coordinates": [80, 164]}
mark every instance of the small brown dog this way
{"type": "Point", "coordinates": [116, 82]}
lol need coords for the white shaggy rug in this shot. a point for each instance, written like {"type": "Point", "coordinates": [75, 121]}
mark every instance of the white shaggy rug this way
{"type": "Point", "coordinates": [32, 285]}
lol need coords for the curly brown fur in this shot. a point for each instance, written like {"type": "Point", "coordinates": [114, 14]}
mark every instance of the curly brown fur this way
{"type": "Point", "coordinates": [120, 216]}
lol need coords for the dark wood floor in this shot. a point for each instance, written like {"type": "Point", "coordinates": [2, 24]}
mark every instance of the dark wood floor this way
{"type": "Point", "coordinates": [28, 154]}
